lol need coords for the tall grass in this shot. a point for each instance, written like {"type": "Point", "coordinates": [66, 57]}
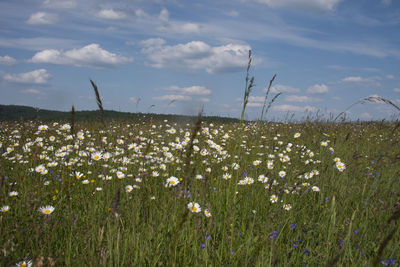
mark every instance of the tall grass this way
{"type": "Point", "coordinates": [350, 221]}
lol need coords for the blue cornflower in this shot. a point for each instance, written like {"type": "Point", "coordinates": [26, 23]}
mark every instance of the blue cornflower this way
{"type": "Point", "coordinates": [307, 252]}
{"type": "Point", "coordinates": [293, 226]}
{"type": "Point", "coordinates": [203, 246]}
{"type": "Point", "coordinates": [341, 243]}
{"type": "Point", "coordinates": [207, 236]}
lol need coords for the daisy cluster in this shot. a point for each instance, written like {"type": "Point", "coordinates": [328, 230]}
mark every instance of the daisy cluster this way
{"type": "Point", "coordinates": [135, 153]}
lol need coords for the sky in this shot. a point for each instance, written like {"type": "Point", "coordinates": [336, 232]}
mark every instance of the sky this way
{"type": "Point", "coordinates": [180, 57]}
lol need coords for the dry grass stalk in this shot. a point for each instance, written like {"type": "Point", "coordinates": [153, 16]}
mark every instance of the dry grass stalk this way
{"type": "Point", "coordinates": [248, 87]}
{"type": "Point", "coordinates": [98, 99]}
{"type": "Point", "coordinates": [266, 96]}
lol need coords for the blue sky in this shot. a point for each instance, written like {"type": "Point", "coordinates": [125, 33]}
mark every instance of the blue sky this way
{"type": "Point", "coordinates": [170, 56]}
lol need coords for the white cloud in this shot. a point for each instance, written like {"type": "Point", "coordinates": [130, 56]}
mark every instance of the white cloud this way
{"type": "Point", "coordinates": [30, 91]}
{"type": "Point", "coordinates": [173, 97]}
{"type": "Point", "coordinates": [292, 108]}
{"type": "Point", "coordinates": [7, 60]}
{"type": "Point", "coordinates": [164, 15]}
{"type": "Point", "coordinates": [111, 14]}
{"type": "Point", "coordinates": [153, 42]}
{"type": "Point", "coordinates": [318, 89]}
{"type": "Point", "coordinates": [397, 90]}
{"type": "Point", "coordinates": [387, 2]}
{"type": "Point", "coordinates": [192, 90]}
{"type": "Point", "coordinates": [42, 18]}
{"type": "Point", "coordinates": [254, 104]}
{"type": "Point", "coordinates": [372, 81]}
{"type": "Point", "coordinates": [302, 4]}
{"type": "Point", "coordinates": [180, 27]}
{"type": "Point", "coordinates": [199, 55]}
{"type": "Point", "coordinates": [88, 56]}
{"type": "Point", "coordinates": [301, 99]}
{"type": "Point", "coordinates": [279, 88]}
{"type": "Point", "coordinates": [60, 4]}
{"type": "Point", "coordinates": [353, 79]}
{"type": "Point", "coordinates": [390, 77]}
{"type": "Point", "coordinates": [365, 115]}
{"type": "Point", "coordinates": [39, 76]}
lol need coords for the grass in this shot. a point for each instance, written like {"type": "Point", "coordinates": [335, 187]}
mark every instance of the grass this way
{"type": "Point", "coordinates": [351, 221]}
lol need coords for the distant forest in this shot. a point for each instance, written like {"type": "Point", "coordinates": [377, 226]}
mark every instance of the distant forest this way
{"type": "Point", "coordinates": [18, 113]}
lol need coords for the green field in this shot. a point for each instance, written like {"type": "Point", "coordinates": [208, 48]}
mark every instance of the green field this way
{"type": "Point", "coordinates": [250, 194]}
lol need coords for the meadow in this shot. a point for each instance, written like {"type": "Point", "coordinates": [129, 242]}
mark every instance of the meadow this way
{"type": "Point", "coordinates": [161, 193]}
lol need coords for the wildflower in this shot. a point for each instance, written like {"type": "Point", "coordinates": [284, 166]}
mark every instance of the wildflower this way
{"type": "Point", "coordinates": [155, 174]}
{"type": "Point", "coordinates": [199, 177]}
{"type": "Point", "coordinates": [315, 188]}
{"type": "Point", "coordinates": [13, 194]}
{"type": "Point", "coordinates": [256, 162]}
{"type": "Point", "coordinates": [226, 176]}
{"type": "Point", "coordinates": [274, 198]}
{"type": "Point", "coordinates": [24, 263]}
{"type": "Point", "coordinates": [287, 206]}
{"type": "Point", "coordinates": [282, 174]}
{"type": "Point", "coordinates": [128, 188]}
{"type": "Point", "coordinates": [96, 156]}
{"type": "Point", "coordinates": [194, 207]}
{"type": "Point", "coordinates": [43, 127]}
{"type": "Point", "coordinates": [248, 180]}
{"type": "Point", "coordinates": [296, 135]}
{"type": "Point", "coordinates": [46, 209]}
{"type": "Point", "coordinates": [207, 213]}
{"type": "Point", "coordinates": [120, 175]}
{"type": "Point", "coordinates": [340, 166]}
{"type": "Point", "coordinates": [40, 168]}
{"type": "Point", "coordinates": [5, 208]}
{"type": "Point", "coordinates": [85, 181]}
{"type": "Point", "coordinates": [262, 178]}
{"type": "Point", "coordinates": [171, 181]}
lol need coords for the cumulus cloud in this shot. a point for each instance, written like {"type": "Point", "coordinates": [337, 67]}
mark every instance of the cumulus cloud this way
{"type": "Point", "coordinates": [180, 27]}
{"type": "Point", "coordinates": [371, 81]}
{"type": "Point", "coordinates": [59, 4]}
{"type": "Point", "coordinates": [318, 89]}
{"type": "Point", "coordinates": [279, 88]}
{"type": "Point", "coordinates": [198, 55]}
{"type": "Point", "coordinates": [191, 93]}
{"type": "Point", "coordinates": [39, 76]}
{"type": "Point", "coordinates": [301, 99]}
{"type": "Point", "coordinates": [111, 14]}
{"type": "Point", "coordinates": [286, 108]}
{"type": "Point", "coordinates": [315, 5]}
{"type": "Point", "coordinates": [88, 56]}
{"type": "Point", "coordinates": [42, 18]}
{"type": "Point", "coordinates": [397, 90]}
{"type": "Point", "coordinates": [173, 97]}
{"type": "Point", "coordinates": [176, 26]}
{"type": "Point", "coordinates": [7, 60]}
{"type": "Point", "coordinates": [192, 90]}
{"type": "Point", "coordinates": [30, 91]}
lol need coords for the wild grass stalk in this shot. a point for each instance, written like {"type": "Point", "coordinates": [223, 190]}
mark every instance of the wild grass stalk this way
{"type": "Point", "coordinates": [266, 96]}
{"type": "Point", "coordinates": [99, 102]}
{"type": "Point", "coordinates": [249, 86]}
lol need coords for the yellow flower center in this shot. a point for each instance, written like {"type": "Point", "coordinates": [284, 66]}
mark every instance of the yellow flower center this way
{"type": "Point", "coordinates": [172, 182]}
{"type": "Point", "coordinates": [193, 208]}
{"type": "Point", "coordinates": [46, 211]}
